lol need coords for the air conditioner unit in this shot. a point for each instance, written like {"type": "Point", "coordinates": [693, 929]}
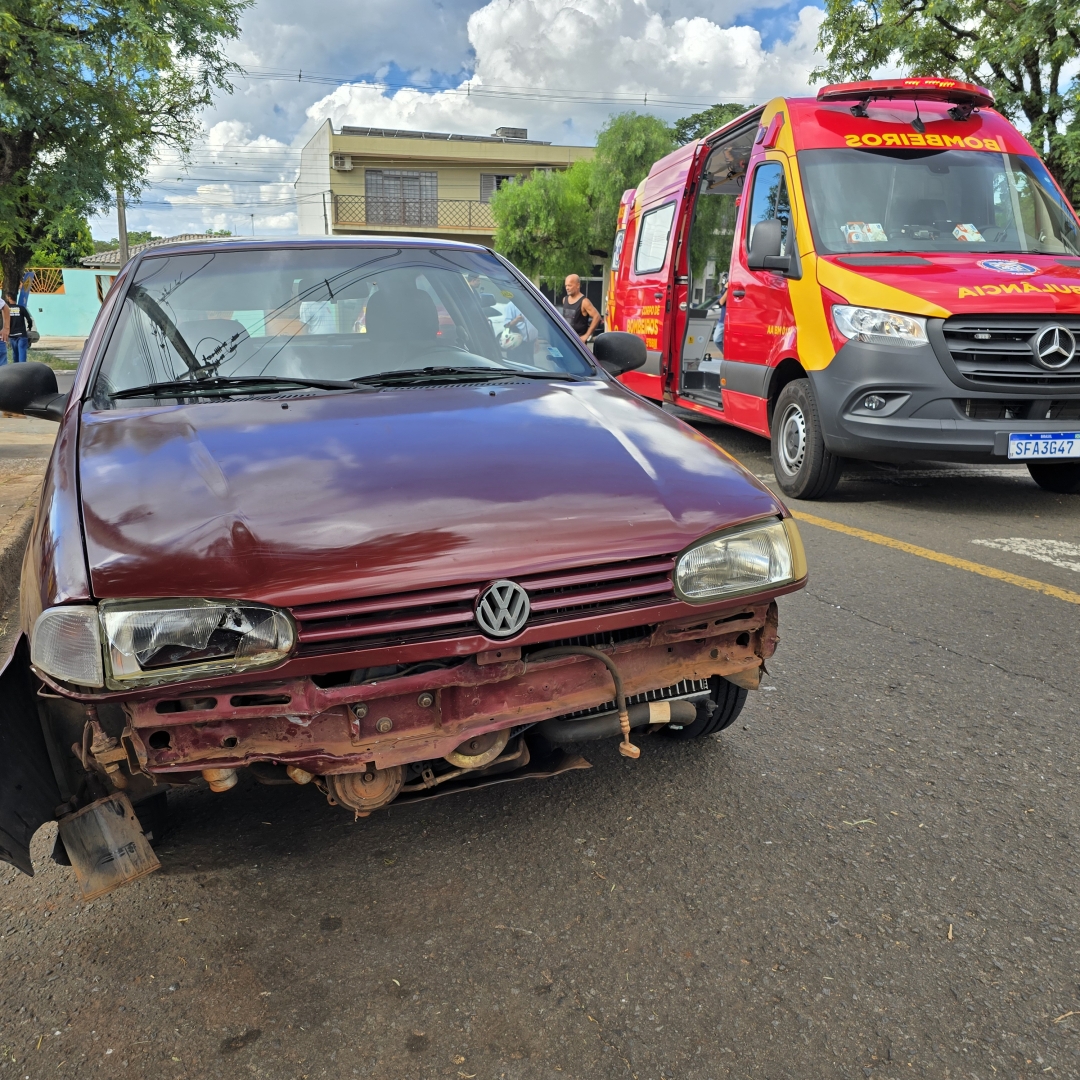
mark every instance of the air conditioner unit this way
{"type": "Point", "coordinates": [343, 162]}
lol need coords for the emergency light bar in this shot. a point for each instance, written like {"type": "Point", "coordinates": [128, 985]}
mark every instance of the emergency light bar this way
{"type": "Point", "coordinates": [914, 89]}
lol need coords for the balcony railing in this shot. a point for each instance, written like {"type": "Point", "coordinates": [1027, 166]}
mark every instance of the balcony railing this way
{"type": "Point", "coordinates": [413, 213]}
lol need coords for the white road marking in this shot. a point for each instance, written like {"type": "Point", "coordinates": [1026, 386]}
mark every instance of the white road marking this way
{"type": "Point", "coordinates": [1056, 552]}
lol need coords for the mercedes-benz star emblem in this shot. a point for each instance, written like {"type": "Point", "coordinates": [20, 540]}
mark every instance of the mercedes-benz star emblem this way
{"type": "Point", "coordinates": [502, 609]}
{"type": "Point", "coordinates": [1054, 347]}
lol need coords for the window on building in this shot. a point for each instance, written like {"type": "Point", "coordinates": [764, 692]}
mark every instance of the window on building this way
{"type": "Point", "coordinates": [653, 239]}
{"type": "Point", "coordinates": [491, 182]}
{"type": "Point", "coordinates": [401, 197]}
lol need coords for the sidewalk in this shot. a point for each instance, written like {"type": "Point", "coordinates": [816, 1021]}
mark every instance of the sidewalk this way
{"type": "Point", "coordinates": [25, 446]}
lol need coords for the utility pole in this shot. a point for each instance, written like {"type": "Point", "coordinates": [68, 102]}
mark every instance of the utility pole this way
{"type": "Point", "coordinates": [121, 221]}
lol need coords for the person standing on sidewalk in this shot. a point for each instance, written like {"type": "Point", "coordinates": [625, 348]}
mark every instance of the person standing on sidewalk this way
{"type": "Point", "coordinates": [578, 310]}
{"type": "Point", "coordinates": [18, 324]}
{"type": "Point", "coordinates": [5, 330]}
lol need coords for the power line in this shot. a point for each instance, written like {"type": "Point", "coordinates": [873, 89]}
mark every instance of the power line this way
{"type": "Point", "coordinates": [469, 89]}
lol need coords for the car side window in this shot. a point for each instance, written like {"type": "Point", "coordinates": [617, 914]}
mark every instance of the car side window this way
{"type": "Point", "coordinates": [653, 238]}
{"type": "Point", "coordinates": [769, 200]}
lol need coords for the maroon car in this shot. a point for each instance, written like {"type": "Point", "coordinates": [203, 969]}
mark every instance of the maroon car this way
{"type": "Point", "coordinates": [365, 515]}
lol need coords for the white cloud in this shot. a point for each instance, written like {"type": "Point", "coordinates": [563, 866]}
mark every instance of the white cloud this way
{"type": "Point", "coordinates": [612, 48]}
{"type": "Point", "coordinates": [691, 51]}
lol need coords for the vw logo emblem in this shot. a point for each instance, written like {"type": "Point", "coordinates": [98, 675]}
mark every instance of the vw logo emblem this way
{"type": "Point", "coordinates": [1054, 347]}
{"type": "Point", "coordinates": [502, 609]}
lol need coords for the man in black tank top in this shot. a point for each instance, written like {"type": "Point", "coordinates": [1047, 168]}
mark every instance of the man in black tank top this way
{"type": "Point", "coordinates": [578, 310]}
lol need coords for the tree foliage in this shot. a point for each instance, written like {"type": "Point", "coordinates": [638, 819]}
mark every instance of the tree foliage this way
{"type": "Point", "coordinates": [558, 223]}
{"type": "Point", "coordinates": [700, 124]}
{"type": "Point", "coordinates": [1023, 50]}
{"type": "Point", "coordinates": [87, 92]}
{"type": "Point", "coordinates": [67, 240]}
{"type": "Point", "coordinates": [543, 222]}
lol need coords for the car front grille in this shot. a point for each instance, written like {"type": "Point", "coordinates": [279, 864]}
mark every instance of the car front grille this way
{"type": "Point", "coordinates": [998, 349]}
{"type": "Point", "coordinates": [448, 612]}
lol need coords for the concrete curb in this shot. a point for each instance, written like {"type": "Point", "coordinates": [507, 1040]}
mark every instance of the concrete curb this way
{"type": "Point", "coordinates": [13, 538]}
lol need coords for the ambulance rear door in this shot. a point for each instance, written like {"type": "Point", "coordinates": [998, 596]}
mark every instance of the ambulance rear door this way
{"type": "Point", "coordinates": [704, 261]}
{"type": "Point", "coordinates": [646, 276]}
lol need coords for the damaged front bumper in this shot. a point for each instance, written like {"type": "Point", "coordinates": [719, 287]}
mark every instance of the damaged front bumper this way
{"type": "Point", "coordinates": [454, 725]}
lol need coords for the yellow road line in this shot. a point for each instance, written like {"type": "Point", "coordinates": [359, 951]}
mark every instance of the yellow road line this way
{"type": "Point", "coordinates": [940, 557]}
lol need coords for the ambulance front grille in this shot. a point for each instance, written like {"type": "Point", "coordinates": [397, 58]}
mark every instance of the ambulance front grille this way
{"type": "Point", "coordinates": [998, 349]}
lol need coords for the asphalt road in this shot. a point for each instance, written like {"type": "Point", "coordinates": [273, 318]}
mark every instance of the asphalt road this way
{"type": "Point", "coordinates": [874, 873]}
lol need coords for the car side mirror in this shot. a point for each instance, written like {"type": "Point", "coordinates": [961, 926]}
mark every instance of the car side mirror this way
{"type": "Point", "coordinates": [618, 352]}
{"type": "Point", "coordinates": [30, 389]}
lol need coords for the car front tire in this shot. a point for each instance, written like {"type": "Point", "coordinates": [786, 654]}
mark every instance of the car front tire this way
{"type": "Point", "coordinates": [804, 467]}
{"type": "Point", "coordinates": [718, 711]}
{"type": "Point", "coordinates": [1061, 477]}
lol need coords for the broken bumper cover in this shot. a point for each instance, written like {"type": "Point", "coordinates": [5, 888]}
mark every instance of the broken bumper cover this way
{"type": "Point", "coordinates": [417, 717]}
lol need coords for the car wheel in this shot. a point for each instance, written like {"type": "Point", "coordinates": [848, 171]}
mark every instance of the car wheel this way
{"type": "Point", "coordinates": [804, 468]}
{"type": "Point", "coordinates": [1062, 477]}
{"type": "Point", "coordinates": [718, 711]}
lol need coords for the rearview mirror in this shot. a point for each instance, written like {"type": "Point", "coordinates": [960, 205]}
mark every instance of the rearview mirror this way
{"type": "Point", "coordinates": [618, 352]}
{"type": "Point", "coordinates": [30, 389]}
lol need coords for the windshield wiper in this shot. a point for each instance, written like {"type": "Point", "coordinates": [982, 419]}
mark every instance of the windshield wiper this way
{"type": "Point", "coordinates": [416, 376]}
{"type": "Point", "coordinates": [225, 384]}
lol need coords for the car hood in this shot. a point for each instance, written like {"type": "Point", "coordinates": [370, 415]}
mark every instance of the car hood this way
{"type": "Point", "coordinates": [314, 498]}
{"type": "Point", "coordinates": [941, 285]}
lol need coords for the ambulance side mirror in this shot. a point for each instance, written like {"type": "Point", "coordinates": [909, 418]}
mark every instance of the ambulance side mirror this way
{"type": "Point", "coordinates": [765, 247]}
{"type": "Point", "coordinates": [617, 352]}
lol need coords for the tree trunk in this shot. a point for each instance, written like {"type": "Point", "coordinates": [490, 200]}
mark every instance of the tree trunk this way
{"type": "Point", "coordinates": [13, 263]}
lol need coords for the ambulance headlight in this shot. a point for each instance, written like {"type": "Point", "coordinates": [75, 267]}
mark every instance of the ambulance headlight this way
{"type": "Point", "coordinates": [748, 559]}
{"type": "Point", "coordinates": [879, 327]}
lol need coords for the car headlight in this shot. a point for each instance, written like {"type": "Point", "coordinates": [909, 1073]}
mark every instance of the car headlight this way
{"type": "Point", "coordinates": [744, 560]}
{"type": "Point", "coordinates": [879, 327]}
{"type": "Point", "coordinates": [150, 642]}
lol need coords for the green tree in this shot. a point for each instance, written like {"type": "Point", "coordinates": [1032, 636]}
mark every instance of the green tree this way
{"type": "Point", "coordinates": [627, 147]}
{"type": "Point", "coordinates": [543, 222]}
{"type": "Point", "coordinates": [1022, 50]}
{"type": "Point", "coordinates": [698, 125]}
{"type": "Point", "coordinates": [559, 223]}
{"type": "Point", "coordinates": [137, 236]}
{"type": "Point", "coordinates": [87, 92]}
{"type": "Point", "coordinates": [67, 240]}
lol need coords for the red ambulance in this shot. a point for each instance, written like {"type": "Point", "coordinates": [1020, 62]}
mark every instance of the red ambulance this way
{"type": "Point", "coordinates": [903, 283]}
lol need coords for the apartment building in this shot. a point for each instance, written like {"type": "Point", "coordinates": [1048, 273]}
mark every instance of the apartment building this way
{"type": "Point", "coordinates": [365, 181]}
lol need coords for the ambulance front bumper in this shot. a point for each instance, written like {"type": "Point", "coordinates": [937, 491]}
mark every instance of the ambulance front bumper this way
{"type": "Point", "coordinates": [884, 403]}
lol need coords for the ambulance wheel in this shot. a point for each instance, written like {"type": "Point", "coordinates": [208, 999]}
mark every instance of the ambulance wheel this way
{"type": "Point", "coordinates": [804, 468]}
{"type": "Point", "coordinates": [1063, 477]}
{"type": "Point", "coordinates": [718, 711]}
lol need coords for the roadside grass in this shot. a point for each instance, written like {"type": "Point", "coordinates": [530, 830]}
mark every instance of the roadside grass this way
{"type": "Point", "coordinates": [57, 363]}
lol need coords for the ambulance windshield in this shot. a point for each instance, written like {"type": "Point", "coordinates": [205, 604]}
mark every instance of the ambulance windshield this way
{"type": "Point", "coordinates": [926, 201]}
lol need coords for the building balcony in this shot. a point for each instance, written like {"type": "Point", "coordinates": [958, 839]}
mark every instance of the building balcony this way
{"type": "Point", "coordinates": [382, 212]}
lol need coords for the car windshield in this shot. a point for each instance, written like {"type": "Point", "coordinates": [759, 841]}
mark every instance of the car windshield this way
{"type": "Point", "coordinates": [241, 319]}
{"type": "Point", "coordinates": [927, 201]}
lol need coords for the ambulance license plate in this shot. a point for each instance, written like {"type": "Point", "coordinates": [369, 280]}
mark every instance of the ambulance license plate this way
{"type": "Point", "coordinates": [1044, 444]}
